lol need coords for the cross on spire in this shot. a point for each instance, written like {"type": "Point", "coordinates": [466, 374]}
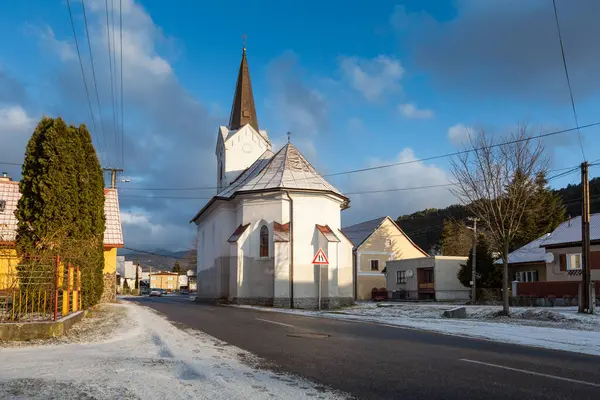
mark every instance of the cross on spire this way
{"type": "Point", "coordinates": [289, 135]}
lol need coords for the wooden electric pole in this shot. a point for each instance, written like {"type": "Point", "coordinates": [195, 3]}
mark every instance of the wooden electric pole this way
{"type": "Point", "coordinates": [474, 263]}
{"type": "Point", "coordinates": [585, 305]}
{"type": "Point", "coordinates": [113, 176]}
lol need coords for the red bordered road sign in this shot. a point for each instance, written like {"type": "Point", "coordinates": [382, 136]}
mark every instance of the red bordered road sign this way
{"type": "Point", "coordinates": [320, 258]}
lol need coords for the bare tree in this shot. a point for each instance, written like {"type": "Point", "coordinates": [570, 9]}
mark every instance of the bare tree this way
{"type": "Point", "coordinates": [496, 181]}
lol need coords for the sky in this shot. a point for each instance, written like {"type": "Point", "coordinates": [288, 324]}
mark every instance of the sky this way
{"type": "Point", "coordinates": [356, 86]}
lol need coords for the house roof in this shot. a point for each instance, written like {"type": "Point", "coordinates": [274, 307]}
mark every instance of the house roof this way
{"type": "Point", "coordinates": [237, 233]}
{"type": "Point", "coordinates": [569, 232]}
{"type": "Point", "coordinates": [328, 233]}
{"type": "Point", "coordinates": [531, 252]}
{"type": "Point", "coordinates": [9, 191]}
{"type": "Point", "coordinates": [281, 232]}
{"type": "Point", "coordinates": [286, 169]}
{"type": "Point", "coordinates": [113, 231]}
{"type": "Point", "coordinates": [358, 233]}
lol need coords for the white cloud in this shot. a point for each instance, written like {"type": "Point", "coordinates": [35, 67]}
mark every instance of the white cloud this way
{"type": "Point", "coordinates": [373, 78]}
{"type": "Point", "coordinates": [395, 203]}
{"type": "Point", "coordinates": [459, 134]}
{"type": "Point", "coordinates": [16, 126]}
{"type": "Point", "coordinates": [169, 135]}
{"type": "Point", "coordinates": [411, 111]}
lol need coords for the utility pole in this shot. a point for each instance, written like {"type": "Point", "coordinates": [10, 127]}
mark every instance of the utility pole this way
{"type": "Point", "coordinates": [474, 263]}
{"type": "Point", "coordinates": [113, 176]}
{"type": "Point", "coordinates": [585, 305]}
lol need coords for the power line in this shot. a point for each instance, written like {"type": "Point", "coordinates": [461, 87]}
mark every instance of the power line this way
{"type": "Point", "coordinates": [122, 106]}
{"type": "Point", "coordinates": [110, 68]}
{"type": "Point", "coordinates": [457, 153]}
{"type": "Point", "coordinates": [103, 154]}
{"type": "Point", "coordinates": [87, 92]}
{"type": "Point", "coordinates": [564, 60]}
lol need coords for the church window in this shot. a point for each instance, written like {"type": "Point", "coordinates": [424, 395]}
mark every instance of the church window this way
{"type": "Point", "coordinates": [264, 241]}
{"type": "Point", "coordinates": [220, 171]}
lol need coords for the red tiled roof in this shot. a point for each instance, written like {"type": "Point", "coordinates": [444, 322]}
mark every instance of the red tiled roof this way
{"type": "Point", "coordinates": [327, 232]}
{"type": "Point", "coordinates": [9, 192]}
{"type": "Point", "coordinates": [281, 232]}
{"type": "Point", "coordinates": [237, 233]}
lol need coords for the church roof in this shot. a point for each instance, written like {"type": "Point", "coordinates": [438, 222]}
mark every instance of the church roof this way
{"type": "Point", "coordinates": [287, 169]}
{"type": "Point", "coordinates": [243, 111]}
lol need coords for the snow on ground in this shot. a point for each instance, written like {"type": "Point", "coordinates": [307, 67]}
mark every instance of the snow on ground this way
{"type": "Point", "coordinates": [145, 357]}
{"type": "Point", "coordinates": [551, 328]}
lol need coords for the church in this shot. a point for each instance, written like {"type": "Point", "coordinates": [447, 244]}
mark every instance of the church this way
{"type": "Point", "coordinates": [258, 236]}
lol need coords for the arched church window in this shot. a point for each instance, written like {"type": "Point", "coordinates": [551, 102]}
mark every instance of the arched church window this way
{"type": "Point", "coordinates": [264, 241]}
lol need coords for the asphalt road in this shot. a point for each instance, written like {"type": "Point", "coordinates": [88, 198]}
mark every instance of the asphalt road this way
{"type": "Point", "coordinates": [371, 361]}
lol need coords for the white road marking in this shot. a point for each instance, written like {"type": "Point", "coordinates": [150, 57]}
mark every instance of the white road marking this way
{"type": "Point", "coordinates": [275, 322]}
{"type": "Point", "coordinates": [560, 378]}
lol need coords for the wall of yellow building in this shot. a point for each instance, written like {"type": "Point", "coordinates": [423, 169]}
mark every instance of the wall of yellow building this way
{"type": "Point", "coordinates": [110, 261]}
{"type": "Point", "coordinates": [8, 265]}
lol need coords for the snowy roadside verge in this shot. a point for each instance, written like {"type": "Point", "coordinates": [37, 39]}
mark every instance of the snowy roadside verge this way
{"type": "Point", "coordinates": [147, 357]}
{"type": "Point", "coordinates": [538, 331]}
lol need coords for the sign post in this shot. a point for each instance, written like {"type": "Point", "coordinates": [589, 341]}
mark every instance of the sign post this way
{"type": "Point", "coordinates": [320, 259]}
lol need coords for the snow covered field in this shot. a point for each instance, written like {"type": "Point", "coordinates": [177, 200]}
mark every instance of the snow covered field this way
{"type": "Point", "coordinates": [145, 357]}
{"type": "Point", "coordinates": [551, 328]}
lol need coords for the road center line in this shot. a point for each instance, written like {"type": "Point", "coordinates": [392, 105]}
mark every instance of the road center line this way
{"type": "Point", "coordinates": [275, 322]}
{"type": "Point", "coordinates": [560, 378]}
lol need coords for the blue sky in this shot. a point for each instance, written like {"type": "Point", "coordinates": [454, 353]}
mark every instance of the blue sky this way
{"type": "Point", "coordinates": [358, 86]}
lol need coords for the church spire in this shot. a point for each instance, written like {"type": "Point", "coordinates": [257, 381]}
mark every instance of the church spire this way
{"type": "Point", "coordinates": [243, 111]}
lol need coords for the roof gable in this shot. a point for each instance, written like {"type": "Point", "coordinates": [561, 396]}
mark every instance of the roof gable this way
{"type": "Point", "coordinates": [9, 191]}
{"type": "Point", "coordinates": [361, 232]}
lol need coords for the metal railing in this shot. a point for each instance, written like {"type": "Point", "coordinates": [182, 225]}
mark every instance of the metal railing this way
{"type": "Point", "coordinates": [38, 289]}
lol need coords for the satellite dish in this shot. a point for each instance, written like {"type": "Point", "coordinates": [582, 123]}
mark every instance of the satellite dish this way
{"type": "Point", "coordinates": [549, 258]}
{"type": "Point", "coordinates": [409, 273]}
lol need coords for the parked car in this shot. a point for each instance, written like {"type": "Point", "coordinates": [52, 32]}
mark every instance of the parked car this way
{"type": "Point", "coordinates": [163, 292]}
{"type": "Point", "coordinates": [155, 292]}
{"type": "Point", "coordinates": [184, 292]}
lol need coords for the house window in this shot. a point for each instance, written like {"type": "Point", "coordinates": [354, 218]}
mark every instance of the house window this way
{"type": "Point", "coordinates": [573, 261]}
{"type": "Point", "coordinates": [374, 265]}
{"type": "Point", "coordinates": [2, 205]}
{"type": "Point", "coordinates": [400, 276]}
{"type": "Point", "coordinates": [526, 276]}
{"type": "Point", "coordinates": [153, 278]}
{"type": "Point", "coordinates": [388, 242]}
{"type": "Point", "coordinates": [169, 278]}
{"type": "Point", "coordinates": [264, 241]}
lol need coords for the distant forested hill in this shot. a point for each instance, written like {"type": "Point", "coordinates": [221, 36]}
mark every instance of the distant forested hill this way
{"type": "Point", "coordinates": [425, 227]}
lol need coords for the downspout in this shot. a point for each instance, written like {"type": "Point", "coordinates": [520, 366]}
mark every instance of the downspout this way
{"type": "Point", "coordinates": [291, 269]}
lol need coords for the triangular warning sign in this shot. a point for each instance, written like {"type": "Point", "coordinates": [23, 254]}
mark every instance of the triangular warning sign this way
{"type": "Point", "coordinates": [320, 258]}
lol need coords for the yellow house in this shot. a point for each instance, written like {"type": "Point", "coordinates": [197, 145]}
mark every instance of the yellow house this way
{"type": "Point", "coordinates": [113, 234]}
{"type": "Point", "coordinates": [375, 242]}
{"type": "Point", "coordinates": [164, 280]}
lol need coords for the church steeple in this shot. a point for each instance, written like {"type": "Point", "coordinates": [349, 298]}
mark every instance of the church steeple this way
{"type": "Point", "coordinates": [243, 111]}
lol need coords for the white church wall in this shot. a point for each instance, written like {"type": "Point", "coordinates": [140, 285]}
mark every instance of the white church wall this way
{"type": "Point", "coordinates": [241, 150]}
{"type": "Point", "coordinates": [281, 292]}
{"type": "Point", "coordinates": [213, 252]}
{"type": "Point", "coordinates": [309, 210]}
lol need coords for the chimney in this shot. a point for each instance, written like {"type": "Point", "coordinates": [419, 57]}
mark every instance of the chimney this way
{"type": "Point", "coordinates": [5, 177]}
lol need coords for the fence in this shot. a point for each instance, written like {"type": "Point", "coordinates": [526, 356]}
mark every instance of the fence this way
{"type": "Point", "coordinates": [559, 289]}
{"type": "Point", "coordinates": [38, 289]}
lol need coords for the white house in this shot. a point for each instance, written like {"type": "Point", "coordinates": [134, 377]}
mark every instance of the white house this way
{"type": "Point", "coordinates": [257, 237]}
